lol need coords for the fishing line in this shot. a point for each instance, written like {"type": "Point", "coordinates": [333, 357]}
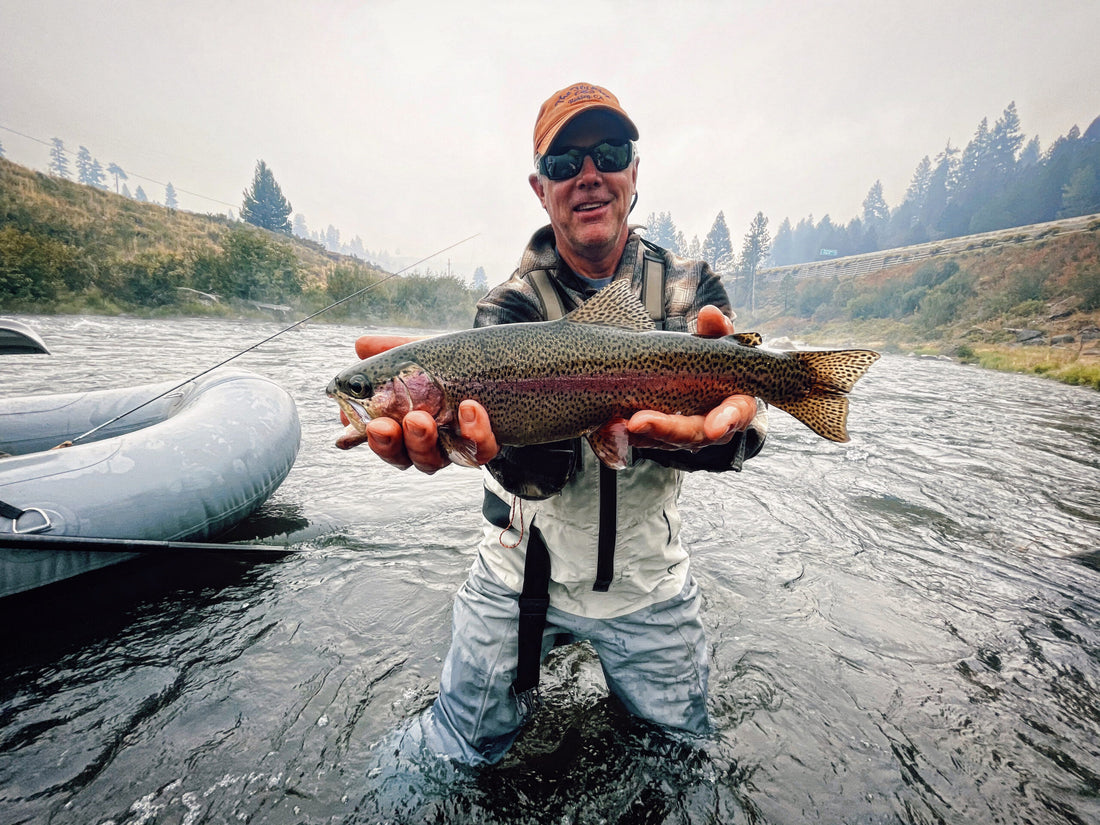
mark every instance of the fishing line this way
{"type": "Point", "coordinates": [273, 337]}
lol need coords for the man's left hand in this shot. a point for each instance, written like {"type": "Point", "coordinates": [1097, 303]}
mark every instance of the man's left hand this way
{"type": "Point", "coordinates": [649, 428]}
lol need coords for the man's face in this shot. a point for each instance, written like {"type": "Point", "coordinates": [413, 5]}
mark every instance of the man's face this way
{"type": "Point", "coordinates": [589, 211]}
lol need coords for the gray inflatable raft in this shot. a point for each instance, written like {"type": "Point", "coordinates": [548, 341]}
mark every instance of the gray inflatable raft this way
{"type": "Point", "coordinates": [183, 468]}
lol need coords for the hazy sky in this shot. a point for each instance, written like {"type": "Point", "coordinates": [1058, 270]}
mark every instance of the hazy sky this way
{"type": "Point", "coordinates": [409, 123]}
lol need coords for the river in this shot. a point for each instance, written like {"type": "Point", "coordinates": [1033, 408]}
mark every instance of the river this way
{"type": "Point", "coordinates": [905, 628]}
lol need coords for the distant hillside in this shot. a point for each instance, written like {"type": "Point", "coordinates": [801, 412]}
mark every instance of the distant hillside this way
{"type": "Point", "coordinates": [66, 247]}
{"type": "Point", "coordinates": [1030, 288]}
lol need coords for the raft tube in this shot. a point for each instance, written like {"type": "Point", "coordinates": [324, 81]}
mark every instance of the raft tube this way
{"type": "Point", "coordinates": [17, 338]}
{"type": "Point", "coordinates": [186, 467]}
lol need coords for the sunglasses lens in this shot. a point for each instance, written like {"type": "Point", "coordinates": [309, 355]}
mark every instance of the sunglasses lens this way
{"type": "Point", "coordinates": [563, 166]}
{"type": "Point", "coordinates": [608, 157]}
{"type": "Point", "coordinates": [611, 157]}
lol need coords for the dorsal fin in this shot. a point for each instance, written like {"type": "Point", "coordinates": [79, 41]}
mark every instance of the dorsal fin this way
{"type": "Point", "coordinates": [615, 305]}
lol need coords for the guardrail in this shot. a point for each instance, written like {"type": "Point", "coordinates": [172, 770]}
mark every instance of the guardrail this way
{"type": "Point", "coordinates": [855, 265]}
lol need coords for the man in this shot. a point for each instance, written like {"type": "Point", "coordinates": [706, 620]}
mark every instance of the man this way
{"type": "Point", "coordinates": [601, 547]}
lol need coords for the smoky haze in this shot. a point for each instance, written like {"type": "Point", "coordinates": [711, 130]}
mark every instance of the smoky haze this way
{"type": "Point", "coordinates": [409, 125]}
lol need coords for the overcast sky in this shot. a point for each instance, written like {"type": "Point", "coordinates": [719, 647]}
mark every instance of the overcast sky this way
{"type": "Point", "coordinates": [409, 123]}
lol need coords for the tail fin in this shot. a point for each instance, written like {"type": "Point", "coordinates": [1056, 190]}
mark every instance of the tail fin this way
{"type": "Point", "coordinates": [825, 409]}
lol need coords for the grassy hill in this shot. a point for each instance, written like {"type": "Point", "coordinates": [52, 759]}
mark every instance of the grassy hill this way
{"type": "Point", "coordinates": [1019, 300]}
{"type": "Point", "coordinates": [66, 247]}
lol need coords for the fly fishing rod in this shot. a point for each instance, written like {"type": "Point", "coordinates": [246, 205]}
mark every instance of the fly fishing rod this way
{"type": "Point", "coordinates": [258, 344]}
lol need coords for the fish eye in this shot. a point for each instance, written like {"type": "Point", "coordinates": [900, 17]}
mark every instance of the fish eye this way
{"type": "Point", "coordinates": [358, 386]}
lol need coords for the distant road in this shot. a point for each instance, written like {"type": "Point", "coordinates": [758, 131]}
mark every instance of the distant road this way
{"type": "Point", "coordinates": [887, 258]}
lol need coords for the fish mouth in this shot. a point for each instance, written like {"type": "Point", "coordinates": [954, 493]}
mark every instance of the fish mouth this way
{"type": "Point", "coordinates": [357, 414]}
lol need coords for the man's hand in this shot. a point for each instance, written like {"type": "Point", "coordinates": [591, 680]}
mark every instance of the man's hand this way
{"type": "Point", "coordinates": [414, 442]}
{"type": "Point", "coordinates": [648, 428]}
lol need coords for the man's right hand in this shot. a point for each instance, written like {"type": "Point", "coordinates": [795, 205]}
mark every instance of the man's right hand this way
{"type": "Point", "coordinates": [415, 441]}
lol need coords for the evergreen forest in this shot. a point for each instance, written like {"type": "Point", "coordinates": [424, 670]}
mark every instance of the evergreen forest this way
{"type": "Point", "coordinates": [998, 181]}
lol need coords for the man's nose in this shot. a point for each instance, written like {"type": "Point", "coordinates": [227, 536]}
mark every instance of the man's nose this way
{"type": "Point", "coordinates": [588, 172]}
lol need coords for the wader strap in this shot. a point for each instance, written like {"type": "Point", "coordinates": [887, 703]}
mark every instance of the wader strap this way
{"type": "Point", "coordinates": [653, 287]}
{"type": "Point", "coordinates": [8, 511]}
{"type": "Point", "coordinates": [533, 603]}
{"type": "Point", "coordinates": [551, 300]}
{"type": "Point", "coordinates": [605, 547]}
{"type": "Point", "coordinates": [535, 598]}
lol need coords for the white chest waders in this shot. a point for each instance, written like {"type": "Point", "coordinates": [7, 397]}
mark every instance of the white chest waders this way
{"type": "Point", "coordinates": [535, 598]}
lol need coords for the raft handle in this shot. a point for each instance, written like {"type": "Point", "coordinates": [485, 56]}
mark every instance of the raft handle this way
{"type": "Point", "coordinates": [41, 528]}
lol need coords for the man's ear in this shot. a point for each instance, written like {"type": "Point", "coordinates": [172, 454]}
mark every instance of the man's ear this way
{"type": "Point", "coordinates": [536, 185]}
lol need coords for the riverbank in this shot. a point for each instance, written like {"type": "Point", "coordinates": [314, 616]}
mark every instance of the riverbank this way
{"type": "Point", "coordinates": [1032, 306]}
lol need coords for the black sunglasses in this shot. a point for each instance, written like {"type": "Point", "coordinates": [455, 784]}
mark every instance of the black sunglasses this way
{"type": "Point", "coordinates": [609, 156]}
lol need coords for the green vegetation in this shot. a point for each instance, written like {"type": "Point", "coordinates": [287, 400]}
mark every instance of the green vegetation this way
{"type": "Point", "coordinates": [1058, 364]}
{"type": "Point", "coordinates": [977, 306]}
{"type": "Point", "coordinates": [66, 247]}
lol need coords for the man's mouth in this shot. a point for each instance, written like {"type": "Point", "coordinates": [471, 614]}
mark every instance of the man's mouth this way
{"type": "Point", "coordinates": [589, 207]}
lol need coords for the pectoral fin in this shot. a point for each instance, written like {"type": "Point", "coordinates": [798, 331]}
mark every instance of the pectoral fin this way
{"type": "Point", "coordinates": [611, 444]}
{"type": "Point", "coordinates": [462, 451]}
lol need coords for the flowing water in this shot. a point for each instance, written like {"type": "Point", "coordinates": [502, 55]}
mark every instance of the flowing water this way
{"type": "Point", "coordinates": [905, 628]}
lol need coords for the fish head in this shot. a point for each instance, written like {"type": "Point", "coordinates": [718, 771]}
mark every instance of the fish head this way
{"type": "Point", "coordinates": [381, 387]}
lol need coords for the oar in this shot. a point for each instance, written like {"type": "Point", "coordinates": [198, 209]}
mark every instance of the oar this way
{"type": "Point", "coordinates": [42, 542]}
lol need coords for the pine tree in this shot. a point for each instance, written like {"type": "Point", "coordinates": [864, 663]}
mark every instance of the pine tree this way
{"type": "Point", "coordinates": [59, 161]}
{"type": "Point", "coordinates": [264, 204]}
{"type": "Point", "coordinates": [1081, 195]}
{"type": "Point", "coordinates": [717, 248]}
{"type": "Point", "coordinates": [1005, 142]}
{"type": "Point", "coordinates": [941, 186]}
{"type": "Point", "coordinates": [140, 195]}
{"type": "Point", "coordinates": [917, 192]}
{"type": "Point", "coordinates": [84, 166]}
{"type": "Point", "coordinates": [301, 229]}
{"type": "Point", "coordinates": [694, 250]}
{"type": "Point", "coordinates": [170, 196]}
{"type": "Point", "coordinates": [1030, 154]}
{"type": "Point", "coordinates": [95, 175]}
{"type": "Point", "coordinates": [876, 217]}
{"type": "Point", "coordinates": [754, 251]}
{"type": "Point", "coordinates": [661, 230]}
{"type": "Point", "coordinates": [783, 245]}
{"type": "Point", "coordinates": [975, 156]}
{"type": "Point", "coordinates": [116, 170]}
{"type": "Point", "coordinates": [1, 149]}
{"type": "Point", "coordinates": [480, 282]}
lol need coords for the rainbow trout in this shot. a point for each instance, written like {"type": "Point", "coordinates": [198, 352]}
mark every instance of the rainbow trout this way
{"type": "Point", "coordinates": [588, 372]}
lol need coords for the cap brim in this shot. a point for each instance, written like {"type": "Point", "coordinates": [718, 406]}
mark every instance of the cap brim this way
{"type": "Point", "coordinates": [567, 117]}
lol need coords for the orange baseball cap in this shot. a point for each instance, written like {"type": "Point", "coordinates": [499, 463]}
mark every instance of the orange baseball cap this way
{"type": "Point", "coordinates": [562, 106]}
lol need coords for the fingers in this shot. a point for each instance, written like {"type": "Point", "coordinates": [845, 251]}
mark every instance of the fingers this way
{"type": "Point", "coordinates": [350, 437]}
{"type": "Point", "coordinates": [386, 438]}
{"type": "Point", "coordinates": [649, 428]}
{"type": "Point", "coordinates": [656, 429]}
{"type": "Point", "coordinates": [713, 323]}
{"type": "Point", "coordinates": [411, 443]}
{"type": "Point", "coordinates": [368, 345]}
{"type": "Point", "coordinates": [731, 416]}
{"type": "Point", "coordinates": [473, 421]}
{"type": "Point", "coordinates": [414, 442]}
{"type": "Point", "coordinates": [422, 442]}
